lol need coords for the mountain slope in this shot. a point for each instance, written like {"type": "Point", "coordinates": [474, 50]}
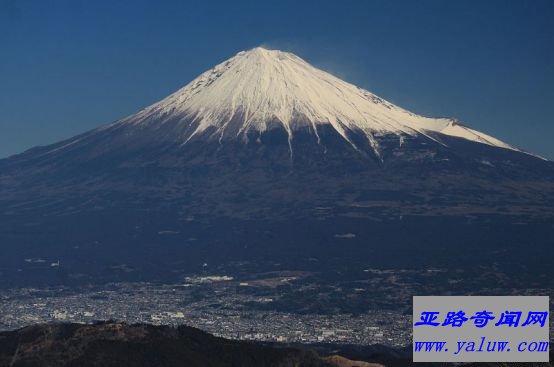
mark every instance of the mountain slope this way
{"type": "Point", "coordinates": [119, 344]}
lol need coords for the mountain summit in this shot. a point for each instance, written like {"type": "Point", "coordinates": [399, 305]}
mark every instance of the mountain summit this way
{"type": "Point", "coordinates": [259, 90]}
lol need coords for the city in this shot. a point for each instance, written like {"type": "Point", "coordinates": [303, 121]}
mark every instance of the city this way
{"type": "Point", "coordinates": [216, 304]}
{"type": "Point", "coordinates": [221, 314]}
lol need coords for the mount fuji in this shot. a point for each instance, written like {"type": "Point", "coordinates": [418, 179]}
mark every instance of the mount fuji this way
{"type": "Point", "coordinates": [261, 90]}
{"type": "Point", "coordinates": [267, 153]}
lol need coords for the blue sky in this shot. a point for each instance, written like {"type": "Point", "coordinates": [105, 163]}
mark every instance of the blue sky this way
{"type": "Point", "coordinates": [67, 66]}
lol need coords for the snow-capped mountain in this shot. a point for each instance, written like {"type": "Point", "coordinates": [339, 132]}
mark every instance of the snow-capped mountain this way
{"type": "Point", "coordinates": [260, 89]}
{"type": "Point", "coordinates": [272, 105]}
{"type": "Point", "coordinates": [266, 153]}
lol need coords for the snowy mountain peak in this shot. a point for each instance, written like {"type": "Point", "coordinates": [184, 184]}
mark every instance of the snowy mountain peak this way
{"type": "Point", "coordinates": [261, 89]}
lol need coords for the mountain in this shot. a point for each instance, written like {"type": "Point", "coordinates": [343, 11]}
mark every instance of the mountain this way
{"type": "Point", "coordinates": [119, 344]}
{"type": "Point", "coordinates": [266, 157]}
{"type": "Point", "coordinates": [260, 90]}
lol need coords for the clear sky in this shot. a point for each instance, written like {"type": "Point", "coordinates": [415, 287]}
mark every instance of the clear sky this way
{"type": "Point", "coordinates": [67, 66]}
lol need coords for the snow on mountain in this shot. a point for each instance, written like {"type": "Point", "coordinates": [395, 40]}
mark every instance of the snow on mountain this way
{"type": "Point", "coordinates": [260, 89]}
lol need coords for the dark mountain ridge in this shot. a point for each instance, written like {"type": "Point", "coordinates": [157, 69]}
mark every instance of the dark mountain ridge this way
{"type": "Point", "coordinates": [119, 344]}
